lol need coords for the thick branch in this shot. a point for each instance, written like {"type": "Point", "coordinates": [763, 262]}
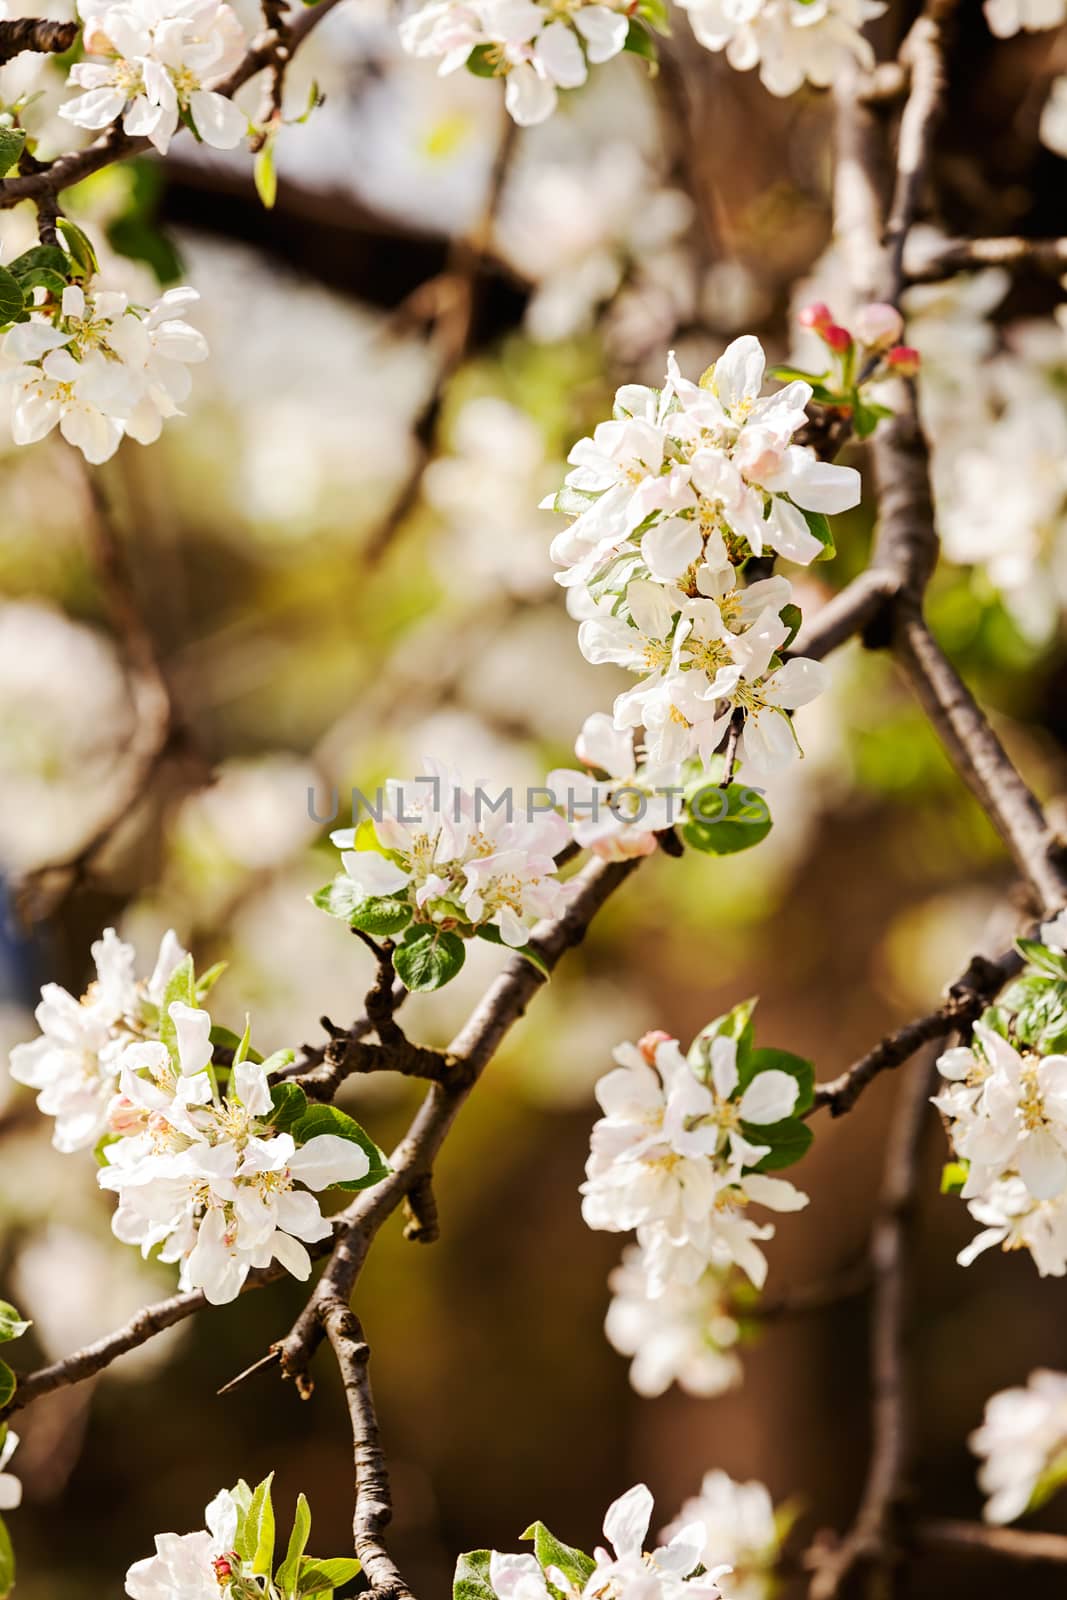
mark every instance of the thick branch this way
{"type": "Point", "coordinates": [36, 33]}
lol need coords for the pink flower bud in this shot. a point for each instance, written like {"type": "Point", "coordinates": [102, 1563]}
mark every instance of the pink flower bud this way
{"type": "Point", "coordinates": [649, 1043]}
{"type": "Point", "coordinates": [816, 316]}
{"type": "Point", "coordinates": [226, 1566]}
{"type": "Point", "coordinates": [124, 1117]}
{"type": "Point", "coordinates": [878, 325]}
{"type": "Point", "coordinates": [839, 339]}
{"type": "Point", "coordinates": [903, 360]}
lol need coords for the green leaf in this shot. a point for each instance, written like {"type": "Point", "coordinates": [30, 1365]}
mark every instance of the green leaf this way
{"type": "Point", "coordinates": [12, 299]}
{"type": "Point", "coordinates": [12, 1326]}
{"type": "Point", "coordinates": [226, 1039]}
{"type": "Point", "coordinates": [207, 980]}
{"type": "Point", "coordinates": [1040, 1006]}
{"type": "Point", "coordinates": [244, 1043]}
{"type": "Point", "coordinates": [12, 144]}
{"type": "Point", "coordinates": [259, 1530]}
{"type": "Point", "coordinates": [323, 1577]}
{"type": "Point", "coordinates": [733, 1024]}
{"type": "Point", "coordinates": [471, 1580]}
{"type": "Point", "coordinates": [380, 915]}
{"type": "Point", "coordinates": [769, 1060]}
{"type": "Point", "coordinates": [954, 1176]}
{"type": "Point", "coordinates": [866, 416]}
{"type": "Point", "coordinates": [820, 527]}
{"type": "Point", "coordinates": [492, 935]}
{"type": "Point", "coordinates": [723, 821]}
{"type": "Point", "coordinates": [42, 258]}
{"type": "Point", "coordinates": [1051, 962]}
{"type": "Point", "coordinates": [266, 179]}
{"type": "Point", "coordinates": [656, 14]}
{"type": "Point", "coordinates": [135, 232]}
{"type": "Point", "coordinates": [428, 959]}
{"type": "Point", "coordinates": [277, 1061]}
{"type": "Point", "coordinates": [288, 1573]}
{"type": "Point", "coordinates": [552, 1552]}
{"type": "Point", "coordinates": [787, 374]}
{"type": "Point", "coordinates": [8, 1383]}
{"type": "Point", "coordinates": [80, 246]}
{"type": "Point", "coordinates": [789, 1140]}
{"type": "Point", "coordinates": [328, 1119]}
{"type": "Point", "coordinates": [181, 985]}
{"type": "Point", "coordinates": [484, 61]}
{"type": "Point", "coordinates": [792, 616]}
{"type": "Point", "coordinates": [639, 42]}
{"type": "Point", "coordinates": [290, 1104]}
{"type": "Point", "coordinates": [7, 1562]}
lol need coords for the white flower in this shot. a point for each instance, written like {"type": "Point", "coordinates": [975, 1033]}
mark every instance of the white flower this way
{"type": "Point", "coordinates": [1054, 116]}
{"type": "Point", "coordinates": [456, 856]}
{"type": "Point", "coordinates": [617, 817]}
{"type": "Point", "coordinates": [75, 1063]}
{"type": "Point", "coordinates": [10, 1487]}
{"type": "Point", "coordinates": [537, 48]}
{"type": "Point", "coordinates": [1014, 1220]}
{"type": "Point", "coordinates": [789, 40]}
{"type": "Point", "coordinates": [102, 370]}
{"type": "Point", "coordinates": [740, 1528]}
{"type": "Point", "coordinates": [684, 1335]}
{"type": "Point", "coordinates": [191, 1566]}
{"type": "Point", "coordinates": [159, 52]}
{"type": "Point", "coordinates": [1023, 1438]}
{"type": "Point", "coordinates": [667, 1159]}
{"type": "Point", "coordinates": [1054, 933]}
{"type": "Point", "coordinates": [1006, 17]}
{"type": "Point", "coordinates": [1008, 1113]}
{"type": "Point", "coordinates": [626, 1571]}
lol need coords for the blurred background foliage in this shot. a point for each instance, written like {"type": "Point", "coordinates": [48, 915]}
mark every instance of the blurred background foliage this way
{"type": "Point", "coordinates": [340, 558]}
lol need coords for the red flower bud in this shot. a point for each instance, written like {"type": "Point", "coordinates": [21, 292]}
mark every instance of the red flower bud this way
{"type": "Point", "coordinates": [839, 339]}
{"type": "Point", "coordinates": [226, 1566]}
{"type": "Point", "coordinates": [816, 316]}
{"type": "Point", "coordinates": [904, 360]}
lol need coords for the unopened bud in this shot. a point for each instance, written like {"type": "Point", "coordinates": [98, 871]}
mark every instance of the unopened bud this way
{"type": "Point", "coordinates": [816, 316]}
{"type": "Point", "coordinates": [649, 1043]}
{"type": "Point", "coordinates": [839, 339]}
{"type": "Point", "coordinates": [878, 325]}
{"type": "Point", "coordinates": [225, 1566]}
{"type": "Point", "coordinates": [904, 360]}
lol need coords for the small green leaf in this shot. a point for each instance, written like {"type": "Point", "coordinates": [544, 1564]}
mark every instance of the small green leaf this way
{"type": "Point", "coordinates": [792, 616]}
{"type": "Point", "coordinates": [12, 299]}
{"type": "Point", "coordinates": [723, 821]}
{"type": "Point", "coordinates": [181, 985]}
{"type": "Point", "coordinates": [866, 416]}
{"type": "Point", "coordinates": [789, 1140]}
{"type": "Point", "coordinates": [7, 1562]}
{"type": "Point", "coordinates": [328, 1119]}
{"type": "Point", "coordinates": [80, 246]}
{"type": "Point", "coordinates": [8, 1383]}
{"type": "Point", "coordinates": [259, 1530]}
{"type": "Point", "coordinates": [323, 1577]}
{"type": "Point", "coordinates": [770, 1060]}
{"type": "Point", "coordinates": [492, 935]}
{"type": "Point", "coordinates": [656, 14]}
{"type": "Point", "coordinates": [266, 178]}
{"type": "Point", "coordinates": [290, 1104]}
{"type": "Point", "coordinates": [379, 915]}
{"type": "Point", "coordinates": [225, 1039]}
{"type": "Point", "coordinates": [552, 1552]}
{"type": "Point", "coordinates": [787, 374]}
{"type": "Point", "coordinates": [207, 980]}
{"type": "Point", "coordinates": [820, 527]}
{"type": "Point", "coordinates": [1039, 955]}
{"type": "Point", "coordinates": [639, 42]}
{"type": "Point", "coordinates": [428, 959]}
{"type": "Point", "coordinates": [954, 1176]}
{"type": "Point", "coordinates": [733, 1024]}
{"type": "Point", "coordinates": [12, 1326]}
{"type": "Point", "coordinates": [288, 1573]}
{"type": "Point", "coordinates": [471, 1580]}
{"type": "Point", "coordinates": [12, 144]}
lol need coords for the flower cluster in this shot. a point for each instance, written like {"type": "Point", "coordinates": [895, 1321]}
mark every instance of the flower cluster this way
{"type": "Point", "coordinates": [1023, 1443]}
{"type": "Point", "coordinates": [681, 1152]}
{"type": "Point", "coordinates": [669, 500]}
{"type": "Point", "coordinates": [441, 863]}
{"type": "Point", "coordinates": [232, 1558]}
{"type": "Point", "coordinates": [158, 54]}
{"type": "Point", "coordinates": [678, 1570]}
{"type": "Point", "coordinates": [686, 1334]}
{"type": "Point", "coordinates": [538, 48]}
{"type": "Point", "coordinates": [100, 368]}
{"type": "Point", "coordinates": [75, 1063]}
{"type": "Point", "coordinates": [789, 40]}
{"type": "Point", "coordinates": [741, 1528]}
{"type": "Point", "coordinates": [212, 1169]}
{"type": "Point", "coordinates": [1005, 1105]}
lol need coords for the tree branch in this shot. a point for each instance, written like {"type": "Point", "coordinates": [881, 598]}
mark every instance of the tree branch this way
{"type": "Point", "coordinates": [1013, 1544]}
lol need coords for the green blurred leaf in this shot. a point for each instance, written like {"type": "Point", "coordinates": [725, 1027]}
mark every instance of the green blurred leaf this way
{"type": "Point", "coordinates": [743, 819]}
{"type": "Point", "coordinates": [484, 61]}
{"type": "Point", "coordinates": [1051, 962]}
{"type": "Point", "coordinates": [181, 986]}
{"type": "Point", "coordinates": [639, 42]}
{"type": "Point", "coordinates": [12, 1325]}
{"type": "Point", "coordinates": [80, 246]}
{"type": "Point", "coordinates": [8, 1383]}
{"type": "Point", "coordinates": [379, 915]}
{"type": "Point", "coordinates": [266, 178]}
{"type": "Point", "coordinates": [12, 299]}
{"type": "Point", "coordinates": [7, 1562]}
{"type": "Point", "coordinates": [953, 1176]}
{"type": "Point", "coordinates": [12, 144]}
{"type": "Point", "coordinates": [733, 1024]}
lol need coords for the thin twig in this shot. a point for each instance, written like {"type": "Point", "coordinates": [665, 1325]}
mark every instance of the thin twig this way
{"type": "Point", "coordinates": [1013, 1544]}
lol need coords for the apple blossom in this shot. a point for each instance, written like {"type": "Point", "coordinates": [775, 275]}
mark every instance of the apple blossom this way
{"type": "Point", "coordinates": [740, 1528]}
{"type": "Point", "coordinates": [685, 1335]}
{"type": "Point", "coordinates": [616, 817]}
{"type": "Point", "coordinates": [10, 1487]}
{"type": "Point", "coordinates": [1008, 17]}
{"type": "Point", "coordinates": [186, 1565]}
{"type": "Point", "coordinates": [158, 54]}
{"type": "Point", "coordinates": [789, 40]}
{"type": "Point", "coordinates": [1013, 1220]}
{"type": "Point", "coordinates": [1023, 1445]}
{"type": "Point", "coordinates": [75, 1064]}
